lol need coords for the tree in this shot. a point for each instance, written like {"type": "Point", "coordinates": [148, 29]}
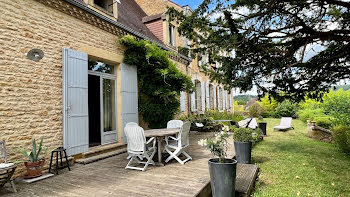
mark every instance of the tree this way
{"type": "Point", "coordinates": [268, 103]}
{"type": "Point", "coordinates": [299, 47]}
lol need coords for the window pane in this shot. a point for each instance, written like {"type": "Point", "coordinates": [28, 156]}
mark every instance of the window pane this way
{"type": "Point", "coordinates": [101, 66]}
{"type": "Point", "coordinates": [109, 123]}
{"type": "Point", "coordinates": [171, 35]}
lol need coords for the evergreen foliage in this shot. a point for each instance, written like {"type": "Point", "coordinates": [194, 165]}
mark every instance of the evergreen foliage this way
{"type": "Point", "coordinates": [160, 82]}
{"type": "Point", "coordinates": [299, 47]}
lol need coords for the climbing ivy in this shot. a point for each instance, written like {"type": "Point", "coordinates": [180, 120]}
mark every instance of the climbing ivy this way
{"type": "Point", "coordinates": [160, 82]}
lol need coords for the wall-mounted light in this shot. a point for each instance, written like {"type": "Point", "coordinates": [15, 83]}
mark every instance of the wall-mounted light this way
{"type": "Point", "coordinates": [35, 54]}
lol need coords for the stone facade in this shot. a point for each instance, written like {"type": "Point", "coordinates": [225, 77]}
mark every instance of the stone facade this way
{"type": "Point", "coordinates": [152, 7]}
{"type": "Point", "coordinates": [157, 7]}
{"type": "Point", "coordinates": [31, 92]}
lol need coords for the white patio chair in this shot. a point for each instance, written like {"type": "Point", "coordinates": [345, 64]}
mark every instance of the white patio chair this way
{"type": "Point", "coordinates": [176, 146]}
{"type": "Point", "coordinates": [174, 124]}
{"type": "Point", "coordinates": [285, 124]}
{"type": "Point", "coordinates": [138, 148]}
{"type": "Point", "coordinates": [6, 169]}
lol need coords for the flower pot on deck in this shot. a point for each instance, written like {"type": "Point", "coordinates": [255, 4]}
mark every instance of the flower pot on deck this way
{"type": "Point", "coordinates": [34, 169]}
{"type": "Point", "coordinates": [243, 151]}
{"type": "Point", "coordinates": [222, 177]}
{"type": "Point", "coordinates": [262, 126]}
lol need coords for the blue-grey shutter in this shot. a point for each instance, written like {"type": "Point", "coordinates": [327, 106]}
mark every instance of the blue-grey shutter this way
{"type": "Point", "coordinates": [214, 100]}
{"type": "Point", "coordinates": [219, 98]}
{"type": "Point", "coordinates": [193, 98]}
{"type": "Point", "coordinates": [182, 101]}
{"type": "Point", "coordinates": [224, 96]}
{"type": "Point", "coordinates": [203, 95]}
{"type": "Point", "coordinates": [207, 95]}
{"type": "Point", "coordinates": [75, 102]}
{"type": "Point", "coordinates": [129, 95]}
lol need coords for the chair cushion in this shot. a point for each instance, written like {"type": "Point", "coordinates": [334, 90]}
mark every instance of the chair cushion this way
{"type": "Point", "coordinates": [5, 165]}
{"type": "Point", "coordinates": [281, 127]}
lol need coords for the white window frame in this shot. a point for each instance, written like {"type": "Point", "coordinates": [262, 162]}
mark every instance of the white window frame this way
{"type": "Point", "coordinates": [111, 77]}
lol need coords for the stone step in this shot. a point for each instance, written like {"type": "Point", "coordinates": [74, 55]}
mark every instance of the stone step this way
{"type": "Point", "coordinates": [94, 151]}
{"type": "Point", "coordinates": [101, 156]}
{"type": "Point", "coordinates": [246, 175]}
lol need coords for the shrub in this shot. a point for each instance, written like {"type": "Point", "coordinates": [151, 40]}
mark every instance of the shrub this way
{"type": "Point", "coordinates": [337, 102]}
{"type": "Point", "coordinates": [217, 146]}
{"type": "Point", "coordinates": [243, 135]}
{"type": "Point", "coordinates": [160, 82]}
{"type": "Point", "coordinates": [309, 104]}
{"type": "Point", "coordinates": [286, 109]}
{"type": "Point", "coordinates": [310, 113]}
{"type": "Point", "coordinates": [269, 104]}
{"type": "Point", "coordinates": [257, 133]}
{"type": "Point", "coordinates": [323, 121]}
{"type": "Point", "coordinates": [255, 110]}
{"type": "Point", "coordinates": [207, 121]}
{"type": "Point", "coordinates": [341, 135]}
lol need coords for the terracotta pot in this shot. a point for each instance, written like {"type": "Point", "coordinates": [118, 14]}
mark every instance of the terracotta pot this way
{"type": "Point", "coordinates": [34, 169]}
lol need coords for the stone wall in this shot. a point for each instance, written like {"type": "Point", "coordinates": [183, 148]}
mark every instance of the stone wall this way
{"type": "Point", "coordinates": [318, 133]}
{"type": "Point", "coordinates": [31, 92]}
{"type": "Point", "coordinates": [151, 7]}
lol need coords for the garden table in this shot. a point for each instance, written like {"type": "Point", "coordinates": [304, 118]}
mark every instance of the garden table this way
{"type": "Point", "coordinates": [160, 134]}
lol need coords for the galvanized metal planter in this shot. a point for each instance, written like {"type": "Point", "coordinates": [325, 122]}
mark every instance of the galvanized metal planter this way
{"type": "Point", "coordinates": [243, 151]}
{"type": "Point", "coordinates": [222, 177]}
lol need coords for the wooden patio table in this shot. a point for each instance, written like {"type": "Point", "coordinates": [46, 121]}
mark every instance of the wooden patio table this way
{"type": "Point", "coordinates": [160, 134]}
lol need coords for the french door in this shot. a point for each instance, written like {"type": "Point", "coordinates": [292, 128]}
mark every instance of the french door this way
{"type": "Point", "coordinates": [102, 107]}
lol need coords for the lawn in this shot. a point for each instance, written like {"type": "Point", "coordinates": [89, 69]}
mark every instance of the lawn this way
{"type": "Point", "coordinates": [292, 164]}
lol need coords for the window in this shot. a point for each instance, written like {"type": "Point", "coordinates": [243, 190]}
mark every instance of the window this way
{"type": "Point", "coordinates": [106, 5]}
{"type": "Point", "coordinates": [98, 66]}
{"type": "Point", "coordinates": [171, 35]}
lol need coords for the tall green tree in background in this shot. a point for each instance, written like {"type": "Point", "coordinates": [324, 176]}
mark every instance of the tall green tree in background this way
{"type": "Point", "coordinates": [299, 47]}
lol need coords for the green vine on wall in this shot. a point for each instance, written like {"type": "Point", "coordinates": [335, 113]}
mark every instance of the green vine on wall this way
{"type": "Point", "coordinates": [160, 82]}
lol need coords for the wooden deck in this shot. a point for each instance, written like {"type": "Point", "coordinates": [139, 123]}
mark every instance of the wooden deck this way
{"type": "Point", "coordinates": [110, 178]}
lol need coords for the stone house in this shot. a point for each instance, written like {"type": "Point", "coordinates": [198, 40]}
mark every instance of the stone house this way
{"type": "Point", "coordinates": [81, 94]}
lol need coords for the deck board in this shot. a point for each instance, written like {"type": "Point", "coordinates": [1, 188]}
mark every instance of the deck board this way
{"type": "Point", "coordinates": [109, 177]}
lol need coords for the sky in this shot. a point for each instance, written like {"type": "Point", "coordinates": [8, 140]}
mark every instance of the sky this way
{"type": "Point", "coordinates": [192, 3]}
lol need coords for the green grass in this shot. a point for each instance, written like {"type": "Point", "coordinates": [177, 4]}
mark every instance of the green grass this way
{"type": "Point", "coordinates": [292, 164]}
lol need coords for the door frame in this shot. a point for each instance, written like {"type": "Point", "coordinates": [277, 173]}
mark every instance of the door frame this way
{"type": "Point", "coordinates": [111, 77]}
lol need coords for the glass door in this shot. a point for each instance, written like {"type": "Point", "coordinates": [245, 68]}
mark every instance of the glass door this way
{"type": "Point", "coordinates": [109, 131]}
{"type": "Point", "coordinates": [104, 103]}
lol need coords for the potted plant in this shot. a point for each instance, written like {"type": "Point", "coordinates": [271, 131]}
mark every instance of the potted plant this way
{"type": "Point", "coordinates": [35, 161]}
{"type": "Point", "coordinates": [243, 139]}
{"type": "Point", "coordinates": [222, 170]}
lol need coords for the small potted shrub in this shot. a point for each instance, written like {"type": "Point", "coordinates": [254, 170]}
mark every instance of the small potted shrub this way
{"type": "Point", "coordinates": [222, 170]}
{"type": "Point", "coordinates": [35, 161]}
{"type": "Point", "coordinates": [243, 138]}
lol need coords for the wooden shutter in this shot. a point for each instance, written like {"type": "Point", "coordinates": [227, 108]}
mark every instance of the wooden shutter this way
{"type": "Point", "coordinates": [203, 95]}
{"type": "Point", "coordinates": [214, 92]}
{"type": "Point", "coordinates": [207, 96]}
{"type": "Point", "coordinates": [129, 93]}
{"type": "Point", "coordinates": [182, 101]}
{"type": "Point", "coordinates": [75, 102]}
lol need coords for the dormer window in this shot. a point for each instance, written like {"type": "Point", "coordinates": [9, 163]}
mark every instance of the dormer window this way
{"type": "Point", "coordinates": [105, 5]}
{"type": "Point", "coordinates": [171, 35]}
